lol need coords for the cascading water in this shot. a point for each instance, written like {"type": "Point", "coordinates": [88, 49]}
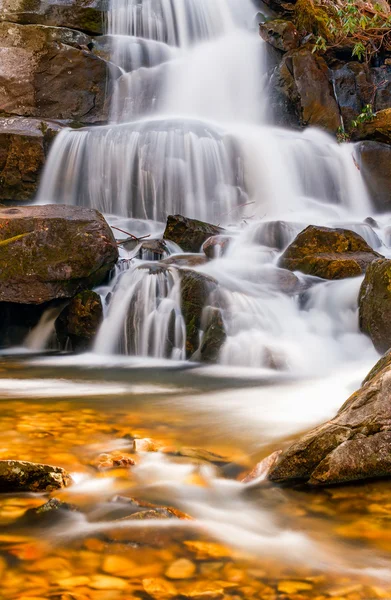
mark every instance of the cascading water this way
{"type": "Point", "coordinates": [188, 135]}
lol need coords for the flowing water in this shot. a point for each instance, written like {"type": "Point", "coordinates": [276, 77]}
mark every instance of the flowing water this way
{"type": "Point", "coordinates": [190, 133]}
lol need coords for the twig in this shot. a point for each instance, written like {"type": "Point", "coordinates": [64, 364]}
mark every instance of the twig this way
{"type": "Point", "coordinates": [144, 237]}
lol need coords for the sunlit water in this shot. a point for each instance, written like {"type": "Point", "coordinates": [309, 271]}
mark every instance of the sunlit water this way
{"type": "Point", "coordinates": [189, 134]}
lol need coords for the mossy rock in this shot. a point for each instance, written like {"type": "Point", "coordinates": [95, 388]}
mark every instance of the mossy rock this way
{"type": "Point", "coordinates": [53, 251]}
{"type": "Point", "coordinates": [189, 234]}
{"type": "Point", "coordinates": [377, 129]}
{"type": "Point", "coordinates": [280, 34]}
{"type": "Point", "coordinates": [23, 476]}
{"type": "Point", "coordinates": [328, 253]}
{"type": "Point", "coordinates": [375, 304]}
{"type": "Point", "coordinates": [214, 336]}
{"type": "Point", "coordinates": [80, 320]}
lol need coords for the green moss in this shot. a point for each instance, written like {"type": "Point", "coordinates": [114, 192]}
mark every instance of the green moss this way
{"type": "Point", "coordinates": [311, 18]}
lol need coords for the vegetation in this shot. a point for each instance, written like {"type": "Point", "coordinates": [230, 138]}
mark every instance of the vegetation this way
{"type": "Point", "coordinates": [361, 25]}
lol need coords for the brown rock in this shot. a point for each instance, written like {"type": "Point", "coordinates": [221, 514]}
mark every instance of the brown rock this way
{"type": "Point", "coordinates": [86, 15]}
{"type": "Point", "coordinates": [49, 72]}
{"type": "Point", "coordinates": [375, 304]}
{"type": "Point", "coordinates": [24, 145]}
{"type": "Point", "coordinates": [280, 34]}
{"type": "Point", "coordinates": [374, 161]}
{"type": "Point", "coordinates": [355, 445]}
{"type": "Point", "coordinates": [23, 476]}
{"type": "Point", "coordinates": [52, 251]}
{"type": "Point", "coordinates": [216, 246]}
{"type": "Point", "coordinates": [378, 129]}
{"type": "Point", "coordinates": [328, 253]}
{"type": "Point", "coordinates": [189, 234]}
{"type": "Point", "coordinates": [80, 320]}
{"type": "Point", "coordinates": [302, 88]}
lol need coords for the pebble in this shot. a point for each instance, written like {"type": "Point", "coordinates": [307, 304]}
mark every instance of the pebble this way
{"type": "Point", "coordinates": [181, 569]}
{"type": "Point", "coordinates": [158, 587]}
{"type": "Point", "coordinates": [117, 565]}
{"type": "Point", "coordinates": [292, 587]}
{"type": "Point", "coordinates": [105, 582]}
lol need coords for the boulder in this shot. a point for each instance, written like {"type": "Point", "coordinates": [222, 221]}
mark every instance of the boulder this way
{"type": "Point", "coordinates": [52, 251]}
{"type": "Point", "coordinates": [189, 234]}
{"type": "Point", "coordinates": [49, 72]}
{"type": "Point", "coordinates": [85, 15]}
{"type": "Point", "coordinates": [24, 146]}
{"type": "Point", "coordinates": [214, 335]}
{"type": "Point", "coordinates": [377, 129]}
{"type": "Point", "coordinates": [375, 304]}
{"type": "Point", "coordinates": [276, 234]}
{"type": "Point", "coordinates": [353, 446]}
{"type": "Point", "coordinates": [328, 253]}
{"type": "Point", "coordinates": [280, 34]}
{"type": "Point", "coordinates": [216, 246]}
{"type": "Point", "coordinates": [302, 92]}
{"type": "Point", "coordinates": [185, 260]}
{"type": "Point", "coordinates": [353, 89]}
{"type": "Point", "coordinates": [80, 320]}
{"type": "Point", "coordinates": [374, 160]}
{"type": "Point", "coordinates": [22, 476]}
{"type": "Point", "coordinates": [195, 292]}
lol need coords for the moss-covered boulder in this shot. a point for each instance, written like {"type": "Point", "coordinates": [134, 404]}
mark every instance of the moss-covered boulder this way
{"type": "Point", "coordinates": [375, 304]}
{"type": "Point", "coordinates": [353, 446]}
{"type": "Point", "coordinates": [23, 476]}
{"type": "Point", "coordinates": [85, 15]}
{"type": "Point", "coordinates": [377, 129]}
{"type": "Point", "coordinates": [374, 161]}
{"type": "Point", "coordinates": [280, 34]}
{"type": "Point", "coordinates": [196, 289]}
{"type": "Point", "coordinates": [302, 92]}
{"type": "Point", "coordinates": [24, 145]}
{"type": "Point", "coordinates": [52, 251]}
{"type": "Point", "coordinates": [189, 234]}
{"type": "Point", "coordinates": [214, 335]}
{"type": "Point", "coordinates": [49, 72]}
{"type": "Point", "coordinates": [80, 320]}
{"type": "Point", "coordinates": [328, 253]}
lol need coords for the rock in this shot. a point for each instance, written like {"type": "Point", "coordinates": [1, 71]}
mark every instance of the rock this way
{"type": "Point", "coordinates": [261, 470]}
{"type": "Point", "coordinates": [353, 89]}
{"type": "Point", "coordinates": [328, 253]}
{"type": "Point", "coordinates": [377, 129]}
{"type": "Point", "coordinates": [23, 476]}
{"type": "Point", "coordinates": [280, 34]}
{"type": "Point", "coordinates": [276, 234]}
{"type": "Point", "coordinates": [145, 445]}
{"type": "Point", "coordinates": [375, 304]}
{"type": "Point", "coordinates": [282, 280]}
{"type": "Point", "coordinates": [113, 460]}
{"type": "Point", "coordinates": [24, 146]}
{"type": "Point", "coordinates": [302, 93]}
{"type": "Point", "coordinates": [195, 291]}
{"type": "Point", "coordinates": [147, 249]}
{"type": "Point", "coordinates": [216, 246]}
{"type": "Point", "coordinates": [355, 445]}
{"type": "Point", "coordinates": [185, 260]}
{"type": "Point", "coordinates": [52, 512]}
{"type": "Point", "coordinates": [382, 363]}
{"type": "Point", "coordinates": [214, 335]}
{"type": "Point", "coordinates": [86, 15]}
{"type": "Point", "coordinates": [181, 569]}
{"type": "Point", "coordinates": [52, 251]}
{"type": "Point", "coordinates": [49, 72]}
{"type": "Point", "coordinates": [79, 321]}
{"type": "Point", "coordinates": [374, 160]}
{"type": "Point", "coordinates": [157, 587]}
{"type": "Point", "coordinates": [189, 234]}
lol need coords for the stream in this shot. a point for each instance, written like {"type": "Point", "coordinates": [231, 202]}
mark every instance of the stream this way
{"type": "Point", "coordinates": [191, 132]}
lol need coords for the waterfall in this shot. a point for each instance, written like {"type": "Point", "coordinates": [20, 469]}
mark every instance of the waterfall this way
{"type": "Point", "coordinates": [188, 134]}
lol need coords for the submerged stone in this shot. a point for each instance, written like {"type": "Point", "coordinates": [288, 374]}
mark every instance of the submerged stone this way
{"type": "Point", "coordinates": [23, 476]}
{"type": "Point", "coordinates": [53, 251]}
{"type": "Point", "coordinates": [328, 253]}
{"type": "Point", "coordinates": [189, 234]}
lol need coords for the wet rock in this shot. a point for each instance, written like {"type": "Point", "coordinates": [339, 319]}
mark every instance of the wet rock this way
{"type": "Point", "coordinates": [52, 251]}
{"type": "Point", "coordinates": [280, 34]}
{"type": "Point", "coordinates": [23, 476]}
{"type": "Point", "coordinates": [354, 89]}
{"type": "Point", "coordinates": [49, 72]}
{"type": "Point", "coordinates": [377, 129]}
{"type": "Point", "coordinates": [181, 569]}
{"type": "Point", "coordinates": [261, 470]}
{"type": "Point", "coordinates": [328, 253]}
{"type": "Point", "coordinates": [53, 511]}
{"type": "Point", "coordinates": [185, 260]}
{"type": "Point", "coordinates": [374, 161]}
{"type": "Point", "coordinates": [216, 246]}
{"type": "Point", "coordinates": [195, 291]}
{"type": "Point", "coordinates": [189, 234]}
{"type": "Point", "coordinates": [157, 587]}
{"type": "Point", "coordinates": [355, 445]}
{"type": "Point", "coordinates": [113, 460]}
{"type": "Point", "coordinates": [145, 445]}
{"type": "Point", "coordinates": [214, 335]}
{"type": "Point", "coordinates": [302, 92]}
{"type": "Point", "coordinates": [276, 234]}
{"type": "Point", "coordinates": [24, 146]}
{"type": "Point", "coordinates": [86, 15]}
{"type": "Point", "coordinates": [282, 280]}
{"type": "Point", "coordinates": [375, 304]}
{"type": "Point", "coordinates": [79, 321]}
{"type": "Point", "coordinates": [146, 249]}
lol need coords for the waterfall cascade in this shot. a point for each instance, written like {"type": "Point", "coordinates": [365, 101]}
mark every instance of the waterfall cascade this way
{"type": "Point", "coordinates": [189, 134]}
